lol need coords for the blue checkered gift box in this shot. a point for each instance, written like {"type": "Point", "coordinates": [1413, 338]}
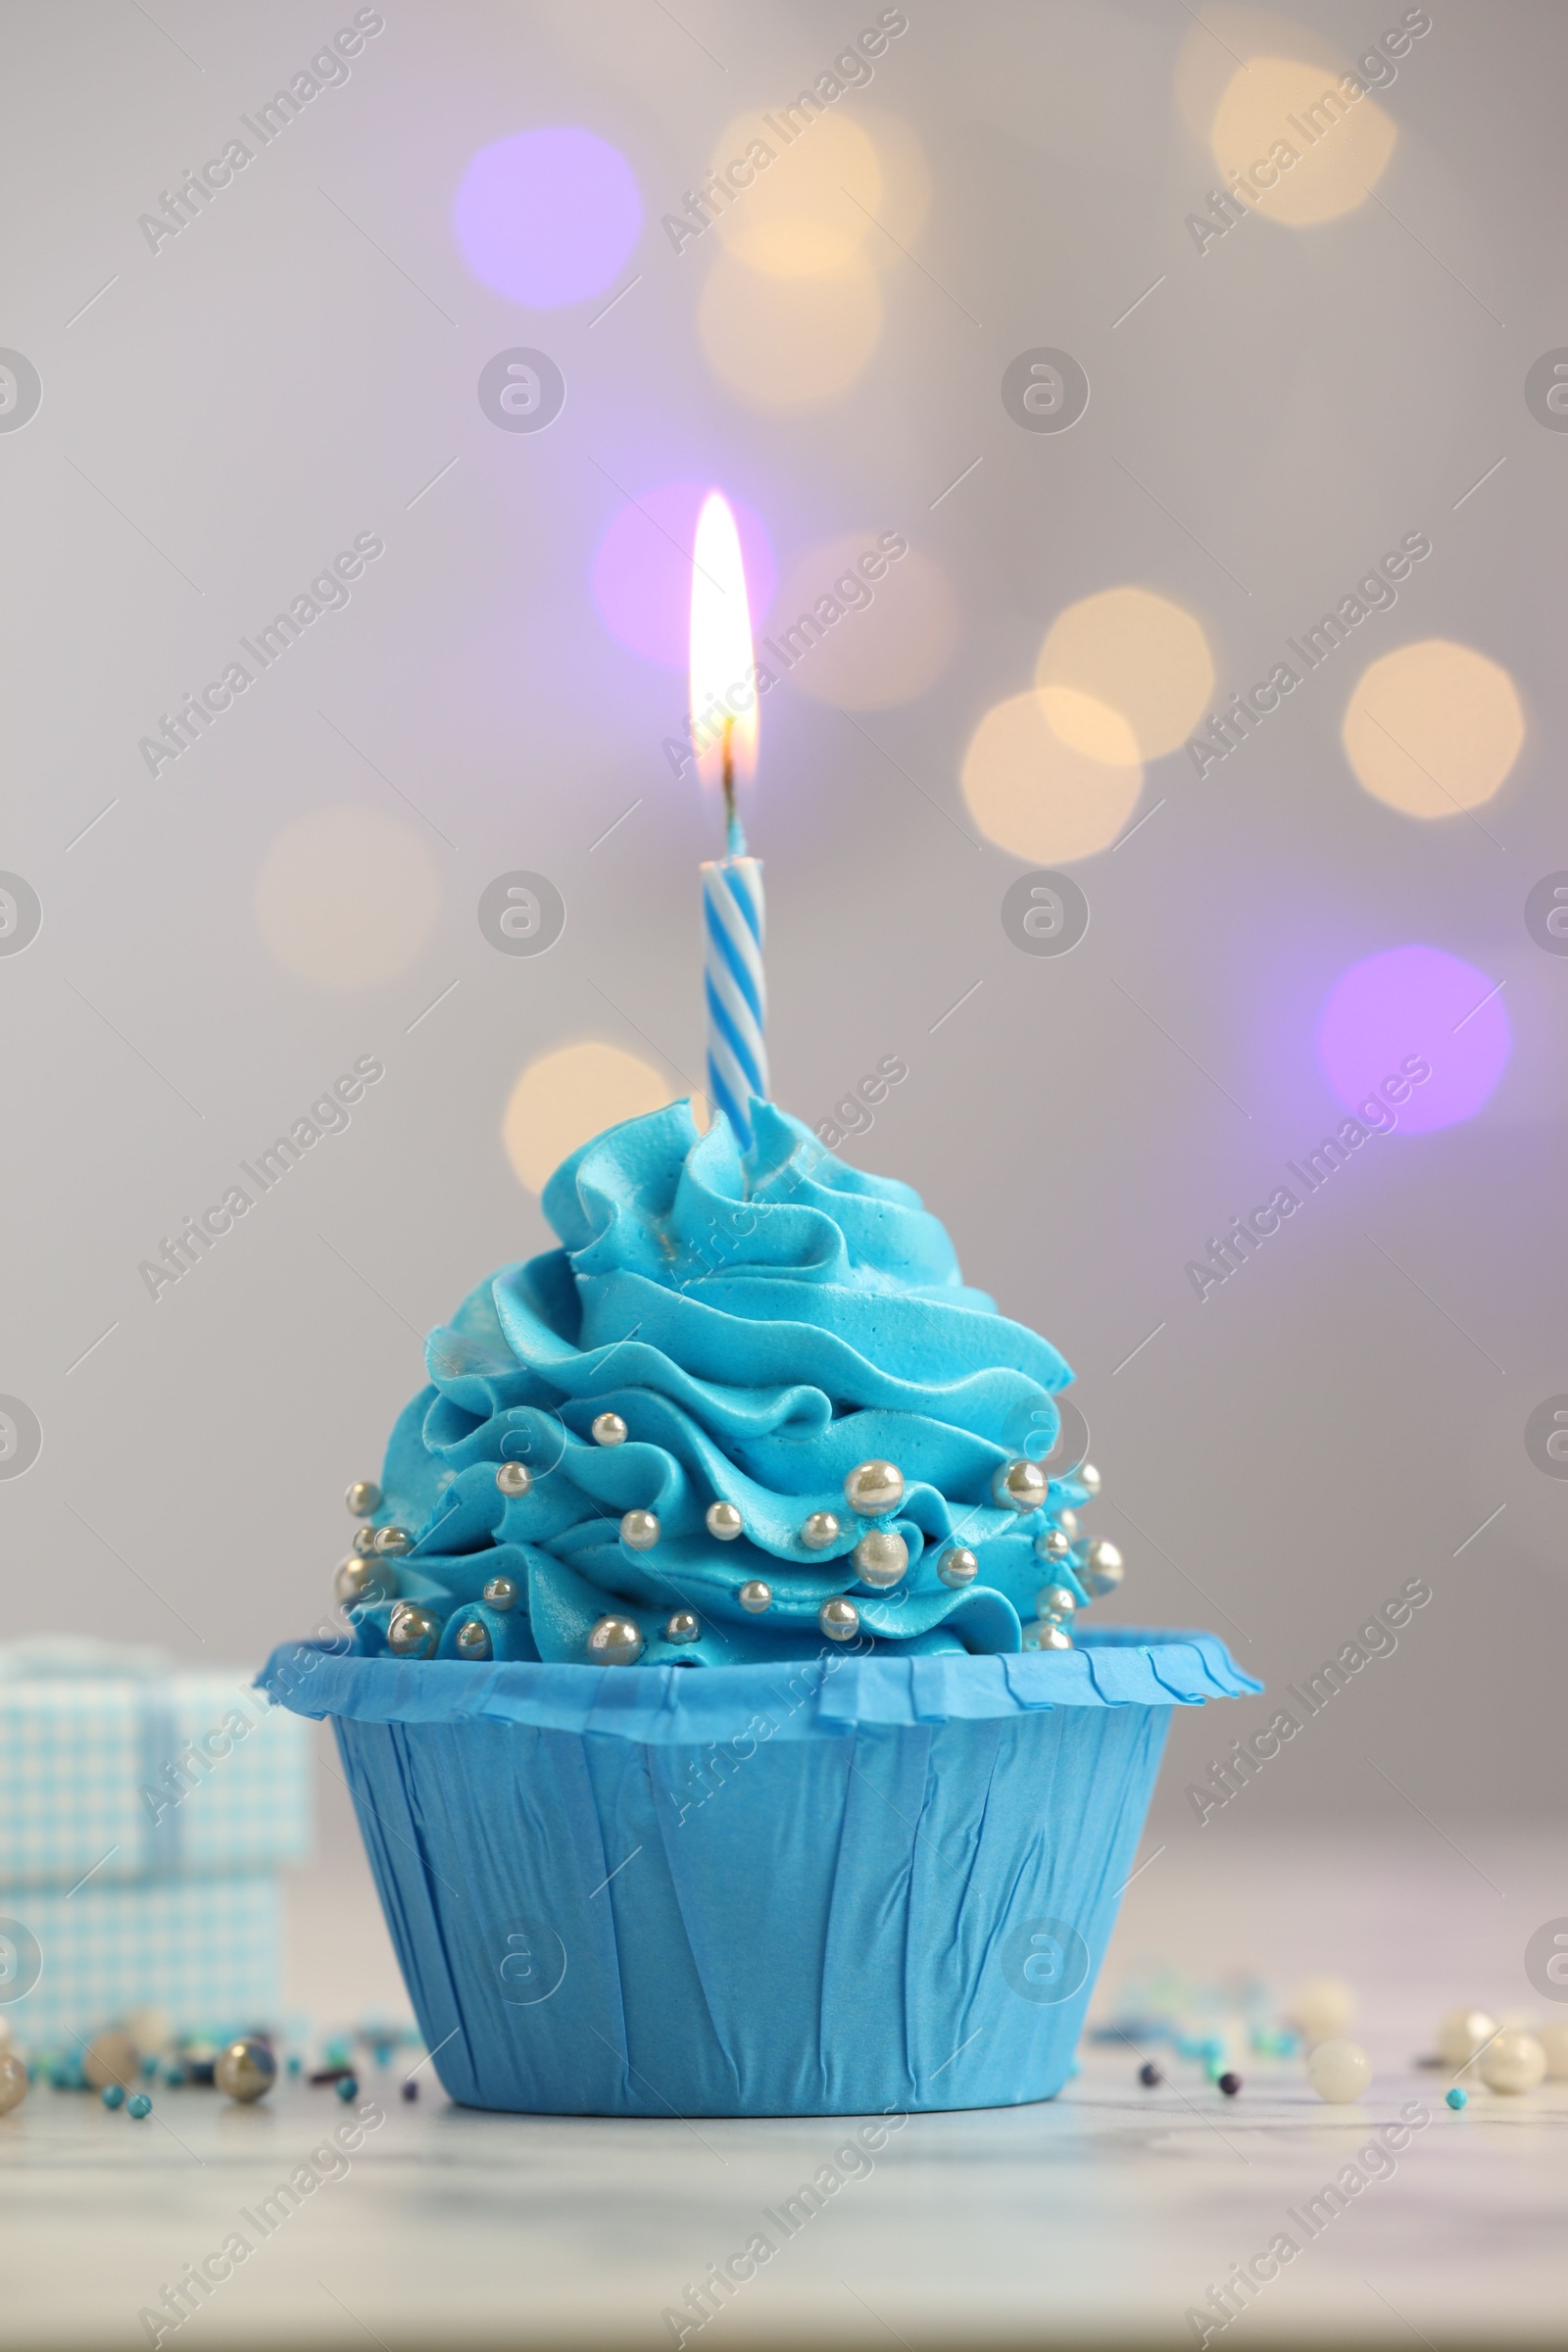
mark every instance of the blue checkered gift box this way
{"type": "Point", "coordinates": [144, 1815]}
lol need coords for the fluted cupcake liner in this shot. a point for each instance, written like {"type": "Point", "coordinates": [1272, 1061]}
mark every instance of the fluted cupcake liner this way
{"type": "Point", "coordinates": [845, 1885]}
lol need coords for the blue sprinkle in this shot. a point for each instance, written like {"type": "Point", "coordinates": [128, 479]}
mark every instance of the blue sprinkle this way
{"type": "Point", "coordinates": [114, 2094]}
{"type": "Point", "coordinates": [347, 2087]}
{"type": "Point", "coordinates": [138, 2104]}
{"type": "Point", "coordinates": [1456, 2099]}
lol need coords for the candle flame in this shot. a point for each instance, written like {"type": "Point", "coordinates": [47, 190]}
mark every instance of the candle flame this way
{"type": "Point", "coordinates": [724, 700]}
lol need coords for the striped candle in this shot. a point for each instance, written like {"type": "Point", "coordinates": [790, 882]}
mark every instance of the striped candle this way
{"type": "Point", "coordinates": [736, 988]}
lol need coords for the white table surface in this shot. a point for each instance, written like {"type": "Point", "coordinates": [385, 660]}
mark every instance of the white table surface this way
{"type": "Point", "coordinates": [1100, 2216]}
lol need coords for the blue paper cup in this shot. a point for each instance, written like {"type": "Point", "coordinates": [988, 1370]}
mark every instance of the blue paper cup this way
{"type": "Point", "coordinates": [845, 1885]}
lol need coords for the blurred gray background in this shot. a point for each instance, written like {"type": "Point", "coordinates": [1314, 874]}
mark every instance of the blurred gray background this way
{"type": "Point", "coordinates": [219, 416]}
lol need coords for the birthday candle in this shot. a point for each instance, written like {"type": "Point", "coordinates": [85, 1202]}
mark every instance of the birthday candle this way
{"type": "Point", "coordinates": [724, 707]}
{"type": "Point", "coordinates": [735, 988]}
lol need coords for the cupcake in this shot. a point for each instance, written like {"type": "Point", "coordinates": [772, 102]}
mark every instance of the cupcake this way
{"type": "Point", "coordinates": [723, 1730]}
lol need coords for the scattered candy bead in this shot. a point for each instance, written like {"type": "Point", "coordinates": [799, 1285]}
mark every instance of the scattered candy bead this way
{"type": "Point", "coordinates": [347, 2087]}
{"type": "Point", "coordinates": [111, 2058]}
{"type": "Point", "coordinates": [1513, 2063]}
{"type": "Point", "coordinates": [1456, 2099]}
{"type": "Point", "coordinates": [112, 2094]}
{"type": "Point", "coordinates": [1339, 2071]}
{"type": "Point", "coordinates": [1322, 2010]}
{"type": "Point", "coordinates": [13, 2081]}
{"type": "Point", "coordinates": [411, 2088]}
{"type": "Point", "coordinates": [1462, 2033]}
{"type": "Point", "coordinates": [1149, 2075]}
{"type": "Point", "coordinates": [1230, 2085]}
{"type": "Point", "coordinates": [138, 2104]}
{"type": "Point", "coordinates": [246, 2070]}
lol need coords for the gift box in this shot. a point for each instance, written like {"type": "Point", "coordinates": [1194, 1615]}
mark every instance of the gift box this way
{"type": "Point", "coordinates": [145, 1814]}
{"type": "Point", "coordinates": [831, 1885]}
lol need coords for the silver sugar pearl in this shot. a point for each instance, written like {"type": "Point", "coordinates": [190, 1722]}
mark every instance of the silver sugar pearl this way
{"type": "Point", "coordinates": [1046, 1635]}
{"type": "Point", "coordinates": [1089, 1477]}
{"type": "Point", "coordinates": [473, 1640]}
{"type": "Point", "coordinates": [1068, 1521]}
{"type": "Point", "coordinates": [1056, 1600]}
{"type": "Point", "coordinates": [390, 1541]}
{"type": "Point", "coordinates": [839, 1619]}
{"type": "Point", "coordinates": [724, 1522]}
{"type": "Point", "coordinates": [364, 1498]}
{"type": "Point", "coordinates": [614, 1641]}
{"type": "Point", "coordinates": [412, 1632]}
{"type": "Point", "coordinates": [365, 1539]}
{"type": "Point", "coordinates": [362, 1580]}
{"type": "Point", "coordinates": [819, 1531]}
{"type": "Point", "coordinates": [684, 1626]}
{"type": "Point", "coordinates": [514, 1479]}
{"type": "Point", "coordinates": [1052, 1545]}
{"type": "Point", "coordinates": [639, 1528]}
{"type": "Point", "coordinates": [957, 1566]}
{"type": "Point", "coordinates": [880, 1558]}
{"type": "Point", "coordinates": [873, 1487]}
{"type": "Point", "coordinates": [1021, 1484]}
{"type": "Point", "coordinates": [247, 2069]}
{"type": "Point", "coordinates": [501, 1593]}
{"type": "Point", "coordinates": [1104, 1568]}
{"type": "Point", "coordinates": [609, 1429]}
{"type": "Point", "coordinates": [755, 1596]}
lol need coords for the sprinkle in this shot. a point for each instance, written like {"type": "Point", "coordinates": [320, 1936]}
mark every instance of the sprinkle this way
{"type": "Point", "coordinates": [138, 2104]}
{"type": "Point", "coordinates": [114, 2094]}
{"type": "Point", "coordinates": [1230, 2085]}
{"type": "Point", "coordinates": [1148, 2074]}
{"type": "Point", "coordinates": [1456, 2099]}
{"type": "Point", "coordinates": [347, 2087]}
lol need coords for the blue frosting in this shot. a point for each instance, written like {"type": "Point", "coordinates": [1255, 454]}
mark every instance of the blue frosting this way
{"type": "Point", "coordinates": [763, 1324]}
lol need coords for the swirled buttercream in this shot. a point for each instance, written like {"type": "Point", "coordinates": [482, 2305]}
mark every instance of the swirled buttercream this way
{"type": "Point", "coordinates": [761, 1325]}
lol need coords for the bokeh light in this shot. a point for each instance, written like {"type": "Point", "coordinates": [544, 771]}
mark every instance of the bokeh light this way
{"type": "Point", "coordinates": [1293, 144]}
{"type": "Point", "coordinates": [811, 209]}
{"type": "Point", "coordinates": [1434, 728]}
{"type": "Point", "coordinates": [1038, 797]}
{"type": "Point", "coordinates": [346, 896]}
{"type": "Point", "coordinates": [574, 1092]}
{"type": "Point", "coordinates": [548, 217]}
{"type": "Point", "coordinates": [1409, 1010]}
{"type": "Point", "coordinates": [789, 343]}
{"type": "Point", "coordinates": [1125, 674]}
{"type": "Point", "coordinates": [892, 637]}
{"type": "Point", "coordinates": [642, 573]}
{"type": "Point", "coordinates": [839, 190]}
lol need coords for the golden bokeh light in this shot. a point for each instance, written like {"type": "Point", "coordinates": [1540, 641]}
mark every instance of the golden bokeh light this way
{"type": "Point", "coordinates": [1434, 728]}
{"type": "Point", "coordinates": [346, 896]}
{"type": "Point", "coordinates": [1038, 797]}
{"type": "Point", "coordinates": [567, 1097]}
{"type": "Point", "coordinates": [810, 208]}
{"type": "Point", "coordinates": [1229, 31]}
{"type": "Point", "coordinates": [861, 643]}
{"type": "Point", "coordinates": [1125, 675]}
{"type": "Point", "coordinates": [788, 343]}
{"type": "Point", "coordinates": [1297, 142]}
{"type": "Point", "coordinates": [796, 201]}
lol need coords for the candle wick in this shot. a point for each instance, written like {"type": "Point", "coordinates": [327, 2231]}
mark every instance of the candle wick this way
{"type": "Point", "coordinates": [734, 834]}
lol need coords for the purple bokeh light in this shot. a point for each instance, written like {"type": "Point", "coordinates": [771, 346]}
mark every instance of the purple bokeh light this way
{"type": "Point", "coordinates": [1420, 1003]}
{"type": "Point", "coordinates": [548, 217]}
{"type": "Point", "coordinates": [642, 575]}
